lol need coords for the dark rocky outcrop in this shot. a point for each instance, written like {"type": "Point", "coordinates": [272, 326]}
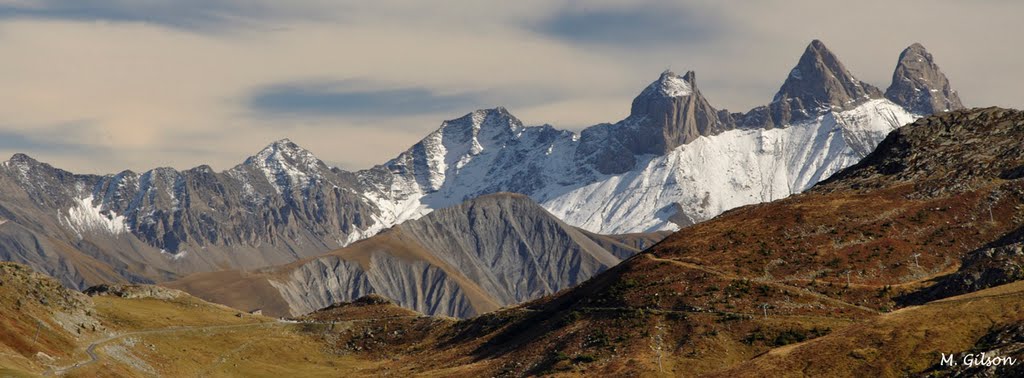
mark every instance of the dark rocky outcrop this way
{"type": "Point", "coordinates": [919, 85]}
{"type": "Point", "coordinates": [952, 152]}
{"type": "Point", "coordinates": [669, 113]}
{"type": "Point", "coordinates": [818, 84]}
{"type": "Point", "coordinates": [999, 263]}
{"type": "Point", "coordinates": [672, 112]}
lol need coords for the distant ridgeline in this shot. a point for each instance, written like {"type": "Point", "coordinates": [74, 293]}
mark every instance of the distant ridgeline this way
{"type": "Point", "coordinates": [674, 161]}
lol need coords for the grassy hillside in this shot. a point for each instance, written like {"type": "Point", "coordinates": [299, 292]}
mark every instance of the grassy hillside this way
{"type": "Point", "coordinates": [907, 341]}
{"type": "Point", "coordinates": [140, 330]}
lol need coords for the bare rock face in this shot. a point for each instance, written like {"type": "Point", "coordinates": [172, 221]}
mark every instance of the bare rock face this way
{"type": "Point", "coordinates": [819, 83]}
{"type": "Point", "coordinates": [919, 85]}
{"type": "Point", "coordinates": [133, 291]}
{"type": "Point", "coordinates": [947, 153]}
{"type": "Point", "coordinates": [673, 113]}
{"type": "Point", "coordinates": [489, 252]}
{"type": "Point", "coordinates": [670, 112]}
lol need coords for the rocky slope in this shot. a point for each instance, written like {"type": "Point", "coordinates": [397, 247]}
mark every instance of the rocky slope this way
{"type": "Point", "coordinates": [42, 321]}
{"type": "Point", "coordinates": [493, 251]}
{"type": "Point", "coordinates": [995, 264]}
{"type": "Point", "coordinates": [280, 205]}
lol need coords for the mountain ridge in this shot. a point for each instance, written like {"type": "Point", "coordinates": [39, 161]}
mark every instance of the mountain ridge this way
{"type": "Point", "coordinates": [807, 283]}
{"type": "Point", "coordinates": [676, 160]}
{"type": "Point", "coordinates": [493, 251]}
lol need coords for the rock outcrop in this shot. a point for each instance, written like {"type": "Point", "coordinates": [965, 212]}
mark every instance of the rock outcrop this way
{"type": "Point", "coordinates": [819, 84]}
{"type": "Point", "coordinates": [669, 113]}
{"type": "Point", "coordinates": [919, 85]}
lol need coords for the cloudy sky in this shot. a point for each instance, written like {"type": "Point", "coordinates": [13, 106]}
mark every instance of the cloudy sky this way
{"type": "Point", "coordinates": [104, 85]}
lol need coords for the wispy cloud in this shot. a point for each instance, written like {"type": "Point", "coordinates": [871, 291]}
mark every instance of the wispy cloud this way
{"type": "Point", "coordinates": [192, 15]}
{"type": "Point", "coordinates": [352, 98]}
{"type": "Point", "coordinates": [635, 26]}
{"type": "Point", "coordinates": [57, 139]}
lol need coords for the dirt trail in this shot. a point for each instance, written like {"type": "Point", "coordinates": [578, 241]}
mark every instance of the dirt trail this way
{"type": "Point", "coordinates": [801, 290]}
{"type": "Point", "coordinates": [93, 357]}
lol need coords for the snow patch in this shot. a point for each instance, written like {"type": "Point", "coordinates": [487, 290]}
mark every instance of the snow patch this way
{"type": "Point", "coordinates": [84, 217]}
{"type": "Point", "coordinates": [174, 256]}
{"type": "Point", "coordinates": [671, 85]}
{"type": "Point", "coordinates": [286, 166]}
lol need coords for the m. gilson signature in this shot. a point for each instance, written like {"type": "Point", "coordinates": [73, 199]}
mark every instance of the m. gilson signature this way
{"type": "Point", "coordinates": [980, 359]}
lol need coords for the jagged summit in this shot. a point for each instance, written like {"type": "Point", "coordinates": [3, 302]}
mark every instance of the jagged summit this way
{"type": "Point", "coordinates": [287, 166]}
{"type": "Point", "coordinates": [497, 119]}
{"type": "Point", "coordinates": [671, 112]}
{"type": "Point", "coordinates": [668, 113]}
{"type": "Point", "coordinates": [819, 83]}
{"type": "Point", "coordinates": [284, 149]}
{"type": "Point", "coordinates": [21, 157]}
{"type": "Point", "coordinates": [284, 144]}
{"type": "Point", "coordinates": [919, 85]}
{"type": "Point", "coordinates": [671, 85]}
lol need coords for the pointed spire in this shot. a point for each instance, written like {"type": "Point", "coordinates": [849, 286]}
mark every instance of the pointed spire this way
{"type": "Point", "coordinates": [919, 86]}
{"type": "Point", "coordinates": [818, 84]}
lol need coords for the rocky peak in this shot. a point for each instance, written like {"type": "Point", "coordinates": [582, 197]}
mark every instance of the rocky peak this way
{"type": "Point", "coordinates": [30, 170]}
{"type": "Point", "coordinates": [818, 84]}
{"type": "Point", "coordinates": [919, 86]}
{"type": "Point", "coordinates": [287, 166]}
{"type": "Point", "coordinates": [287, 152]}
{"type": "Point", "coordinates": [671, 112]}
{"type": "Point", "coordinates": [495, 122]}
{"type": "Point", "coordinates": [668, 113]}
{"type": "Point", "coordinates": [24, 163]}
{"type": "Point", "coordinates": [22, 158]}
{"type": "Point", "coordinates": [670, 85]}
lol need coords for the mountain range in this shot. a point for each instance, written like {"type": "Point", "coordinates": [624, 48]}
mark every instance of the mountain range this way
{"type": "Point", "coordinates": [673, 162]}
{"type": "Point", "coordinates": [883, 269]}
{"type": "Point", "coordinates": [910, 254]}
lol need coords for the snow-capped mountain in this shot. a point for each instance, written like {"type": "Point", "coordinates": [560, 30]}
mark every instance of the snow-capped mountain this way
{"type": "Point", "coordinates": [674, 161]}
{"type": "Point", "coordinates": [280, 205]}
